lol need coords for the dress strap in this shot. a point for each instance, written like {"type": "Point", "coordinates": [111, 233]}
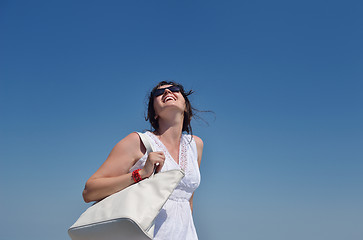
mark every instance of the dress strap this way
{"type": "Point", "coordinates": [146, 141]}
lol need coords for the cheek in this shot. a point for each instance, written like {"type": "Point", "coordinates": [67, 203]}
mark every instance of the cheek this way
{"type": "Point", "coordinates": [156, 106]}
{"type": "Point", "coordinates": [185, 105]}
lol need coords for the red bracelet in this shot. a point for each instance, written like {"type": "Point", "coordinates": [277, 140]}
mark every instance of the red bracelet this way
{"type": "Point", "coordinates": [136, 176]}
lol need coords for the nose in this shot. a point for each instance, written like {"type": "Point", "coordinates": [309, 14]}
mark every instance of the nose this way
{"type": "Point", "coordinates": [166, 91]}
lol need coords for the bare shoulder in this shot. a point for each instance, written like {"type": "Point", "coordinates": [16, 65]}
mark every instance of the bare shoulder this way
{"type": "Point", "coordinates": [200, 144]}
{"type": "Point", "coordinates": [132, 139]}
{"type": "Point", "coordinates": [132, 143]}
{"type": "Point", "coordinates": [122, 157]}
{"type": "Point", "coordinates": [198, 141]}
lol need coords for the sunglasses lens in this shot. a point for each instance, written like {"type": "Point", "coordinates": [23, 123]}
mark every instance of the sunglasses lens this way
{"type": "Point", "coordinates": [174, 88]}
{"type": "Point", "coordinates": [158, 92]}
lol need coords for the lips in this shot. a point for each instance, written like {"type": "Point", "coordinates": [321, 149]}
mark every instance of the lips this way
{"type": "Point", "coordinates": [167, 98]}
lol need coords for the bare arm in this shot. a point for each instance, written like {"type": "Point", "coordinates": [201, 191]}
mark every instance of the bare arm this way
{"type": "Point", "coordinates": [113, 174]}
{"type": "Point", "coordinates": [199, 143]}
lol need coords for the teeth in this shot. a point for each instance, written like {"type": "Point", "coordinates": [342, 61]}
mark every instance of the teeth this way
{"type": "Point", "coordinates": [168, 98]}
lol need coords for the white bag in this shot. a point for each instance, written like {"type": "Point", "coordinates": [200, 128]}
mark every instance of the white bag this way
{"type": "Point", "coordinates": [130, 213]}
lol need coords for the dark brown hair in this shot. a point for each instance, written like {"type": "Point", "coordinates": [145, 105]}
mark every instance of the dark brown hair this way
{"type": "Point", "coordinates": [188, 113]}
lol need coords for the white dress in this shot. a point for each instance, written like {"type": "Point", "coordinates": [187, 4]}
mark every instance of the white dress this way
{"type": "Point", "coordinates": [175, 220]}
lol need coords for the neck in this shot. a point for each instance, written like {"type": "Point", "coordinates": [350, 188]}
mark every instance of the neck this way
{"type": "Point", "coordinates": [171, 129]}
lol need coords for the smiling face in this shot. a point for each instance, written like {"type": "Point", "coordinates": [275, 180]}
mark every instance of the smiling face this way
{"type": "Point", "coordinates": [168, 100]}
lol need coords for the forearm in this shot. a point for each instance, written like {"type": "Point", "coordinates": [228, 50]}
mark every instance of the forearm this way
{"type": "Point", "coordinates": [99, 188]}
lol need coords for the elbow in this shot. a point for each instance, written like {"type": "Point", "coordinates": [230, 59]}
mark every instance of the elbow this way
{"type": "Point", "coordinates": [86, 194]}
{"type": "Point", "coordinates": [91, 192]}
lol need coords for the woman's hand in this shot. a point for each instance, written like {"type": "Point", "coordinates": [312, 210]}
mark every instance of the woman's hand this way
{"type": "Point", "coordinates": [155, 159]}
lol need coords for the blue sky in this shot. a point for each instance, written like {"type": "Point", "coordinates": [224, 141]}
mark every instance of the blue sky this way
{"type": "Point", "coordinates": [283, 152]}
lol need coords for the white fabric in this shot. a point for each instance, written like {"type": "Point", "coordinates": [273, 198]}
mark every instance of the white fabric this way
{"type": "Point", "coordinates": [175, 220]}
{"type": "Point", "coordinates": [128, 214]}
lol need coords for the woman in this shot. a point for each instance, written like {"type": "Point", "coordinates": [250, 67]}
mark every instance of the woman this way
{"type": "Point", "coordinates": [170, 113]}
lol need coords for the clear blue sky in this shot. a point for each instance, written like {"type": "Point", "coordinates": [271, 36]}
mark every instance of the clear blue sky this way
{"type": "Point", "coordinates": [283, 158]}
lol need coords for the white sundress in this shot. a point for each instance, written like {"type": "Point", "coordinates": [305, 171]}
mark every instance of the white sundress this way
{"type": "Point", "coordinates": [175, 220]}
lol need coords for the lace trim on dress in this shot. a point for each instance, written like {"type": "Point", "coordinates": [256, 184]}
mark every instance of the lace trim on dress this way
{"type": "Point", "coordinates": [183, 155]}
{"type": "Point", "coordinates": [182, 151]}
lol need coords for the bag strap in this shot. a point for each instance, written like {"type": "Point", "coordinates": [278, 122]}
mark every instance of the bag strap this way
{"type": "Point", "coordinates": [148, 145]}
{"type": "Point", "coordinates": [145, 140]}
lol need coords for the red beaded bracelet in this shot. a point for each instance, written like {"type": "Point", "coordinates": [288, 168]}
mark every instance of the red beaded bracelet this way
{"type": "Point", "coordinates": [136, 176]}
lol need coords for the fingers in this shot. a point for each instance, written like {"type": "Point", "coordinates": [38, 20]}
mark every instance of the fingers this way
{"type": "Point", "coordinates": [159, 166]}
{"type": "Point", "coordinates": [160, 163]}
{"type": "Point", "coordinates": [158, 160]}
{"type": "Point", "coordinates": [157, 157]}
{"type": "Point", "coordinates": [155, 161]}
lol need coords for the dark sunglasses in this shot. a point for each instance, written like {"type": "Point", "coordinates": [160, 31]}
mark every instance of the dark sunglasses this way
{"type": "Point", "coordinates": [159, 91]}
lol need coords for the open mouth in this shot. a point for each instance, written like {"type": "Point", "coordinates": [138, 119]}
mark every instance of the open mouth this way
{"type": "Point", "coordinates": [169, 98]}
